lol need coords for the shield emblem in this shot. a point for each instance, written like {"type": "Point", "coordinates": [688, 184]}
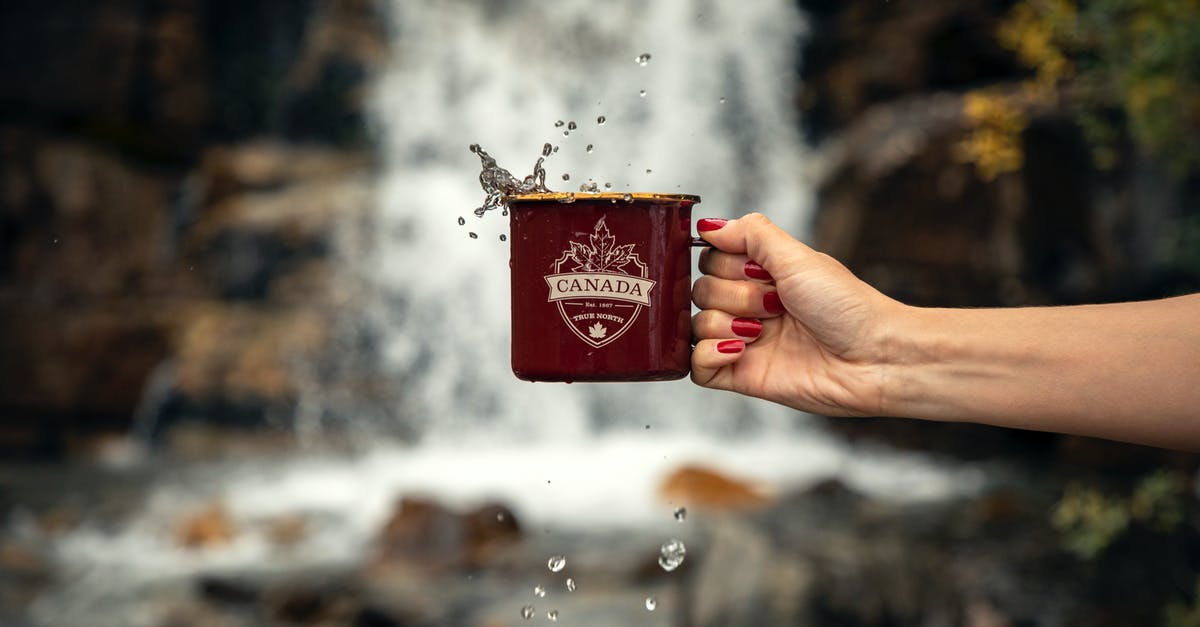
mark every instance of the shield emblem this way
{"type": "Point", "coordinates": [599, 287]}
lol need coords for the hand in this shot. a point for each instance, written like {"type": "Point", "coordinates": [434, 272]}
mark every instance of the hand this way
{"type": "Point", "coordinates": [797, 328]}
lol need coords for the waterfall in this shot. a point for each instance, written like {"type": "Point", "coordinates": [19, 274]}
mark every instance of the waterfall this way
{"type": "Point", "coordinates": [716, 119]}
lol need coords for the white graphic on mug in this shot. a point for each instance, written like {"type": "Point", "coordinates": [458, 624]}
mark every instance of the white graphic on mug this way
{"type": "Point", "coordinates": [600, 287]}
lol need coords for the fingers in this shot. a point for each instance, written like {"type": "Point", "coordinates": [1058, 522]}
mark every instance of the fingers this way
{"type": "Point", "coordinates": [756, 237]}
{"type": "Point", "coordinates": [731, 266]}
{"type": "Point", "coordinates": [713, 324]}
{"type": "Point", "coordinates": [745, 299]}
{"type": "Point", "coordinates": [712, 362]}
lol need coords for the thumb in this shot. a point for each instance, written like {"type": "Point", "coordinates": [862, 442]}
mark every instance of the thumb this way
{"type": "Point", "coordinates": [758, 238]}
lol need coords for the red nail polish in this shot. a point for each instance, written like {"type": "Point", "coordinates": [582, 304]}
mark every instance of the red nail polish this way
{"type": "Point", "coordinates": [746, 327]}
{"type": "Point", "coordinates": [730, 346]}
{"type": "Point", "coordinates": [704, 225]}
{"type": "Point", "coordinates": [755, 271]}
{"type": "Point", "coordinates": [772, 303]}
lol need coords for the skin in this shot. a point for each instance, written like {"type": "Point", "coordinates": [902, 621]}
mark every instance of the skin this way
{"type": "Point", "coordinates": [1126, 371]}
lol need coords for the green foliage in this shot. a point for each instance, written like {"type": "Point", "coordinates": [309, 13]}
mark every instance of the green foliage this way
{"type": "Point", "coordinates": [1090, 521]}
{"type": "Point", "coordinates": [1138, 59]}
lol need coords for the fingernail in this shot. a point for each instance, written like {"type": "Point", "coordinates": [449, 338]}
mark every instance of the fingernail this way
{"type": "Point", "coordinates": [772, 303]}
{"type": "Point", "coordinates": [730, 346]}
{"type": "Point", "coordinates": [755, 271]}
{"type": "Point", "coordinates": [746, 327]}
{"type": "Point", "coordinates": [709, 224]}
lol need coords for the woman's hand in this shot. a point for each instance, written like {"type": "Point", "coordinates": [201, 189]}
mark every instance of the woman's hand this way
{"type": "Point", "coordinates": [783, 322]}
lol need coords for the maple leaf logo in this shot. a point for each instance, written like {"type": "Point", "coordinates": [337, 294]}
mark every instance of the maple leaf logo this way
{"type": "Point", "coordinates": [600, 253]}
{"type": "Point", "coordinates": [597, 331]}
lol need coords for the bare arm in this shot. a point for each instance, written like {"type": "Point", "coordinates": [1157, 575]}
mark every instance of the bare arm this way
{"type": "Point", "coordinates": [829, 343]}
{"type": "Point", "coordinates": [1128, 371]}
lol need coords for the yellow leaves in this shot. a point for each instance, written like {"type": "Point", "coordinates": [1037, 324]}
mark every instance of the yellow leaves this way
{"type": "Point", "coordinates": [993, 142]}
{"type": "Point", "coordinates": [1032, 31]}
{"type": "Point", "coordinates": [1090, 521]}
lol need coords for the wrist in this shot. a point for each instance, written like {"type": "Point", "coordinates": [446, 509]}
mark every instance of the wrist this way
{"type": "Point", "coordinates": [914, 349]}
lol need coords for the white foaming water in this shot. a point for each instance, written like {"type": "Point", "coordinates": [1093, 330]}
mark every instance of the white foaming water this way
{"type": "Point", "coordinates": [502, 75]}
{"type": "Point", "coordinates": [716, 119]}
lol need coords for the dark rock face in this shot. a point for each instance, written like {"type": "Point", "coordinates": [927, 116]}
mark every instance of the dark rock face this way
{"type": "Point", "coordinates": [164, 237]}
{"type": "Point", "coordinates": [884, 88]}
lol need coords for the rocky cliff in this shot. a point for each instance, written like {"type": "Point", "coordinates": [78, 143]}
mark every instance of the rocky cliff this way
{"type": "Point", "coordinates": [177, 178]}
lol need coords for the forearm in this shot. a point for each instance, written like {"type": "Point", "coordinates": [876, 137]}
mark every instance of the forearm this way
{"type": "Point", "coordinates": [1128, 371]}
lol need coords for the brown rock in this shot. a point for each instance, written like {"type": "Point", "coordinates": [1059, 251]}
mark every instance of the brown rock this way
{"type": "Point", "coordinates": [707, 488]}
{"type": "Point", "coordinates": [287, 530]}
{"type": "Point", "coordinates": [211, 526]}
{"type": "Point", "coordinates": [425, 533]}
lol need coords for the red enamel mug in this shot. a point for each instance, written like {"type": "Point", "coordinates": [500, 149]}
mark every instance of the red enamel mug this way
{"type": "Point", "coordinates": [601, 286]}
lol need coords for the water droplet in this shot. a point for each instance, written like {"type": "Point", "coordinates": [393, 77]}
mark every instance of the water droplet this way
{"type": "Point", "coordinates": [568, 199]}
{"type": "Point", "coordinates": [527, 612]}
{"type": "Point", "coordinates": [556, 563]}
{"type": "Point", "coordinates": [648, 170]}
{"type": "Point", "coordinates": [590, 147]}
{"type": "Point", "coordinates": [539, 592]}
{"type": "Point", "coordinates": [566, 177]}
{"type": "Point", "coordinates": [642, 59]}
{"type": "Point", "coordinates": [651, 603]}
{"type": "Point", "coordinates": [570, 585]}
{"type": "Point", "coordinates": [601, 120]}
{"type": "Point", "coordinates": [461, 220]}
{"type": "Point", "coordinates": [670, 555]}
{"type": "Point", "coordinates": [547, 149]}
{"type": "Point", "coordinates": [681, 514]}
{"type": "Point", "coordinates": [627, 198]}
{"type": "Point", "coordinates": [647, 427]}
{"type": "Point", "coordinates": [566, 133]}
{"type": "Point", "coordinates": [474, 148]}
{"type": "Point", "coordinates": [552, 615]}
{"type": "Point", "coordinates": [473, 235]}
{"type": "Point", "coordinates": [556, 149]}
{"type": "Point", "coordinates": [571, 125]}
{"type": "Point", "coordinates": [558, 123]}
{"type": "Point", "coordinates": [608, 186]}
{"type": "Point", "coordinates": [504, 212]}
{"type": "Point", "coordinates": [500, 517]}
{"type": "Point", "coordinates": [722, 100]}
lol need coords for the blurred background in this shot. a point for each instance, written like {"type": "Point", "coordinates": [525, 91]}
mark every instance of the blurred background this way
{"type": "Point", "coordinates": [253, 342]}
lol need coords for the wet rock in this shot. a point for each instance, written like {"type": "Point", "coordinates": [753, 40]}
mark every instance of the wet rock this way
{"type": "Point", "coordinates": [421, 532]}
{"type": "Point", "coordinates": [138, 213]}
{"type": "Point", "coordinates": [226, 591]}
{"type": "Point", "coordinates": [287, 530]}
{"type": "Point", "coordinates": [208, 527]}
{"type": "Point", "coordinates": [706, 488]}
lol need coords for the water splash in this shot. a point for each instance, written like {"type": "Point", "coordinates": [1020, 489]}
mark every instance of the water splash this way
{"type": "Point", "coordinates": [528, 612]}
{"type": "Point", "coordinates": [681, 514]}
{"type": "Point", "coordinates": [570, 585]}
{"type": "Point", "coordinates": [556, 563]}
{"type": "Point", "coordinates": [671, 554]}
{"type": "Point", "coordinates": [539, 591]}
{"type": "Point", "coordinates": [500, 185]}
{"type": "Point", "coordinates": [642, 59]}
